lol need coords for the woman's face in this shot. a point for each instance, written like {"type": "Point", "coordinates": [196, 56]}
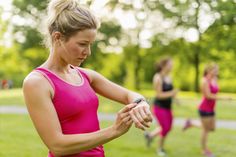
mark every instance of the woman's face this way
{"type": "Point", "coordinates": [214, 72]}
{"type": "Point", "coordinates": [168, 66]}
{"type": "Point", "coordinates": [77, 48]}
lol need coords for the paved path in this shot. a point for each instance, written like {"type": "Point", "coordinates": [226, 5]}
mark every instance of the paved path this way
{"type": "Point", "coordinates": [111, 117]}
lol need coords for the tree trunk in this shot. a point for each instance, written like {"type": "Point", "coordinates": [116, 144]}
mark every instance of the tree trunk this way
{"type": "Point", "coordinates": [196, 66]}
{"type": "Point", "coordinates": [197, 50]}
{"type": "Point", "coordinates": [137, 65]}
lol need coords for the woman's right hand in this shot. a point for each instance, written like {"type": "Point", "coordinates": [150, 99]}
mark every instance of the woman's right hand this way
{"type": "Point", "coordinates": [123, 121]}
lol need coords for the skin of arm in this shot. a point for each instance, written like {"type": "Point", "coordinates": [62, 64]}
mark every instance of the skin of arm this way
{"type": "Point", "coordinates": [211, 96]}
{"type": "Point", "coordinates": [38, 95]}
{"type": "Point", "coordinates": [206, 91]}
{"type": "Point", "coordinates": [157, 82]}
{"type": "Point", "coordinates": [141, 114]}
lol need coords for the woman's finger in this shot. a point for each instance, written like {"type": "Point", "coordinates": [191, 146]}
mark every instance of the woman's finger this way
{"type": "Point", "coordinates": [136, 121]}
{"type": "Point", "coordinates": [127, 108]}
{"type": "Point", "coordinates": [123, 115]}
{"type": "Point", "coordinates": [148, 113]}
{"type": "Point", "coordinates": [144, 115]}
{"type": "Point", "coordinates": [126, 119]}
{"type": "Point", "coordinates": [129, 122]}
{"type": "Point", "coordinates": [140, 118]}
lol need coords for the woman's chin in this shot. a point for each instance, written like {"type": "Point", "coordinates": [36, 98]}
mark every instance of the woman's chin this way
{"type": "Point", "coordinates": [76, 64]}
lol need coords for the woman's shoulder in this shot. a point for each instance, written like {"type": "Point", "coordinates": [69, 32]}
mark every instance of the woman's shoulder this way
{"type": "Point", "coordinates": [157, 78]}
{"type": "Point", "coordinates": [90, 74]}
{"type": "Point", "coordinates": [205, 81]}
{"type": "Point", "coordinates": [84, 70]}
{"type": "Point", "coordinates": [34, 80]}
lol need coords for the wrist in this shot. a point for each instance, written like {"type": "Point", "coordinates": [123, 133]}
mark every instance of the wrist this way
{"type": "Point", "coordinates": [139, 100]}
{"type": "Point", "coordinates": [114, 133]}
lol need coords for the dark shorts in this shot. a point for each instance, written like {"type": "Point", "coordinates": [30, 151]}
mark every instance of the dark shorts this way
{"type": "Point", "coordinates": [206, 114]}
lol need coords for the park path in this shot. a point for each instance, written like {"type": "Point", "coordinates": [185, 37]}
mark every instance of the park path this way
{"type": "Point", "coordinates": [226, 124]}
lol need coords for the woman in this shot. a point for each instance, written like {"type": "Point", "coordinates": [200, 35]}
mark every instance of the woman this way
{"type": "Point", "coordinates": [206, 109]}
{"type": "Point", "coordinates": [61, 97]}
{"type": "Point", "coordinates": [165, 92]}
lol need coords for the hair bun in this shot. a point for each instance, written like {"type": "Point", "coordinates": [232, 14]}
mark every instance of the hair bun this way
{"type": "Point", "coordinates": [67, 17]}
{"type": "Point", "coordinates": [58, 6]}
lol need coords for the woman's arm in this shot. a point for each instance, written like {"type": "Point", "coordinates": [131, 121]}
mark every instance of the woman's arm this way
{"type": "Point", "coordinates": [206, 90]}
{"type": "Point", "coordinates": [141, 114]}
{"type": "Point", "coordinates": [110, 90]}
{"type": "Point", "coordinates": [37, 94]}
{"type": "Point", "coordinates": [160, 94]}
{"type": "Point", "coordinates": [207, 93]}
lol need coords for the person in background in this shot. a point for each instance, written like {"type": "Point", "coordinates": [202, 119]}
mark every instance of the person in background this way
{"type": "Point", "coordinates": [165, 92]}
{"type": "Point", "coordinates": [4, 84]}
{"type": "Point", "coordinates": [206, 109]}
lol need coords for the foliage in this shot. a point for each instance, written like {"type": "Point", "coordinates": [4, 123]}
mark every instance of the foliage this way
{"type": "Point", "coordinates": [134, 66]}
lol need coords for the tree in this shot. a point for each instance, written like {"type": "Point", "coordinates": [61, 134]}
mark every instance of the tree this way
{"type": "Point", "coordinates": [3, 25]}
{"type": "Point", "coordinates": [35, 11]}
{"type": "Point", "coordinates": [133, 36]}
{"type": "Point", "coordinates": [198, 16]}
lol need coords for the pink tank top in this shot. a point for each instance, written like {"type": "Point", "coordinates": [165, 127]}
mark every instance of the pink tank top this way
{"type": "Point", "coordinates": [76, 107]}
{"type": "Point", "coordinates": [208, 105]}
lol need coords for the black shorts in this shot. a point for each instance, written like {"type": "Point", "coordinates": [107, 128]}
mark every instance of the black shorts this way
{"type": "Point", "coordinates": [206, 114]}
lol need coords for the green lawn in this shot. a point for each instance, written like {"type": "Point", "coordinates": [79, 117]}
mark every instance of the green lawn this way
{"type": "Point", "coordinates": [188, 101]}
{"type": "Point", "coordinates": [11, 97]}
{"type": "Point", "coordinates": [19, 138]}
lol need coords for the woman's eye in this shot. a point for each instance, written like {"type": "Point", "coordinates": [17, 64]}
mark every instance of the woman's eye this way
{"type": "Point", "coordinates": [83, 44]}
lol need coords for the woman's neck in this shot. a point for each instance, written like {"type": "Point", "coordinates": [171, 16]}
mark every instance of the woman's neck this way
{"type": "Point", "coordinates": [209, 77]}
{"type": "Point", "coordinates": [163, 74]}
{"type": "Point", "coordinates": [55, 63]}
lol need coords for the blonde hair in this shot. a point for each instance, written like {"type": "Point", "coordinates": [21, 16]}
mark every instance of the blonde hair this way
{"type": "Point", "coordinates": [209, 67]}
{"type": "Point", "coordinates": [67, 17]}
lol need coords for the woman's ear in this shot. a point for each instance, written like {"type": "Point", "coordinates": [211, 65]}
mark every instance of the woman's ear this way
{"type": "Point", "coordinates": [57, 36]}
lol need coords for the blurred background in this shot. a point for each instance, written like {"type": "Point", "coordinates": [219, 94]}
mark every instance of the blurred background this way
{"type": "Point", "coordinates": [133, 35]}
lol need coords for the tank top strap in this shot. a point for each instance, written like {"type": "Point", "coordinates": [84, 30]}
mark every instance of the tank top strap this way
{"type": "Point", "coordinates": [54, 80]}
{"type": "Point", "coordinates": [47, 75]}
{"type": "Point", "coordinates": [83, 73]}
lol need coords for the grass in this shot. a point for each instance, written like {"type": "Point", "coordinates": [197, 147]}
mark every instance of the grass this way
{"type": "Point", "coordinates": [188, 103]}
{"type": "Point", "coordinates": [11, 97]}
{"type": "Point", "coordinates": [19, 138]}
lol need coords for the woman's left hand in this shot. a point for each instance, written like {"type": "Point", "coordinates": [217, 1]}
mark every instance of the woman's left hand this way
{"type": "Point", "coordinates": [141, 115]}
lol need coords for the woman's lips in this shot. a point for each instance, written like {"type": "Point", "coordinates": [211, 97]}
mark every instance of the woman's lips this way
{"type": "Point", "coordinates": [81, 59]}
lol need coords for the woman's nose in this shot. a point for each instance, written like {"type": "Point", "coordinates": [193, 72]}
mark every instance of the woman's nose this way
{"type": "Point", "coordinates": [87, 51]}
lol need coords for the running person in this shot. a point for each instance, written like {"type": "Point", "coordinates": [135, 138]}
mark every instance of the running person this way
{"type": "Point", "coordinates": [61, 97]}
{"type": "Point", "coordinates": [165, 92]}
{"type": "Point", "coordinates": [206, 108]}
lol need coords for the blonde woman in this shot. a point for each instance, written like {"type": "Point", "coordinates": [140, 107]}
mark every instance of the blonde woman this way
{"type": "Point", "coordinates": [206, 109]}
{"type": "Point", "coordinates": [61, 97]}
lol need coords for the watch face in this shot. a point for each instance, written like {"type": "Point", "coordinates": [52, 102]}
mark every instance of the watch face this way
{"type": "Point", "coordinates": [138, 100]}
